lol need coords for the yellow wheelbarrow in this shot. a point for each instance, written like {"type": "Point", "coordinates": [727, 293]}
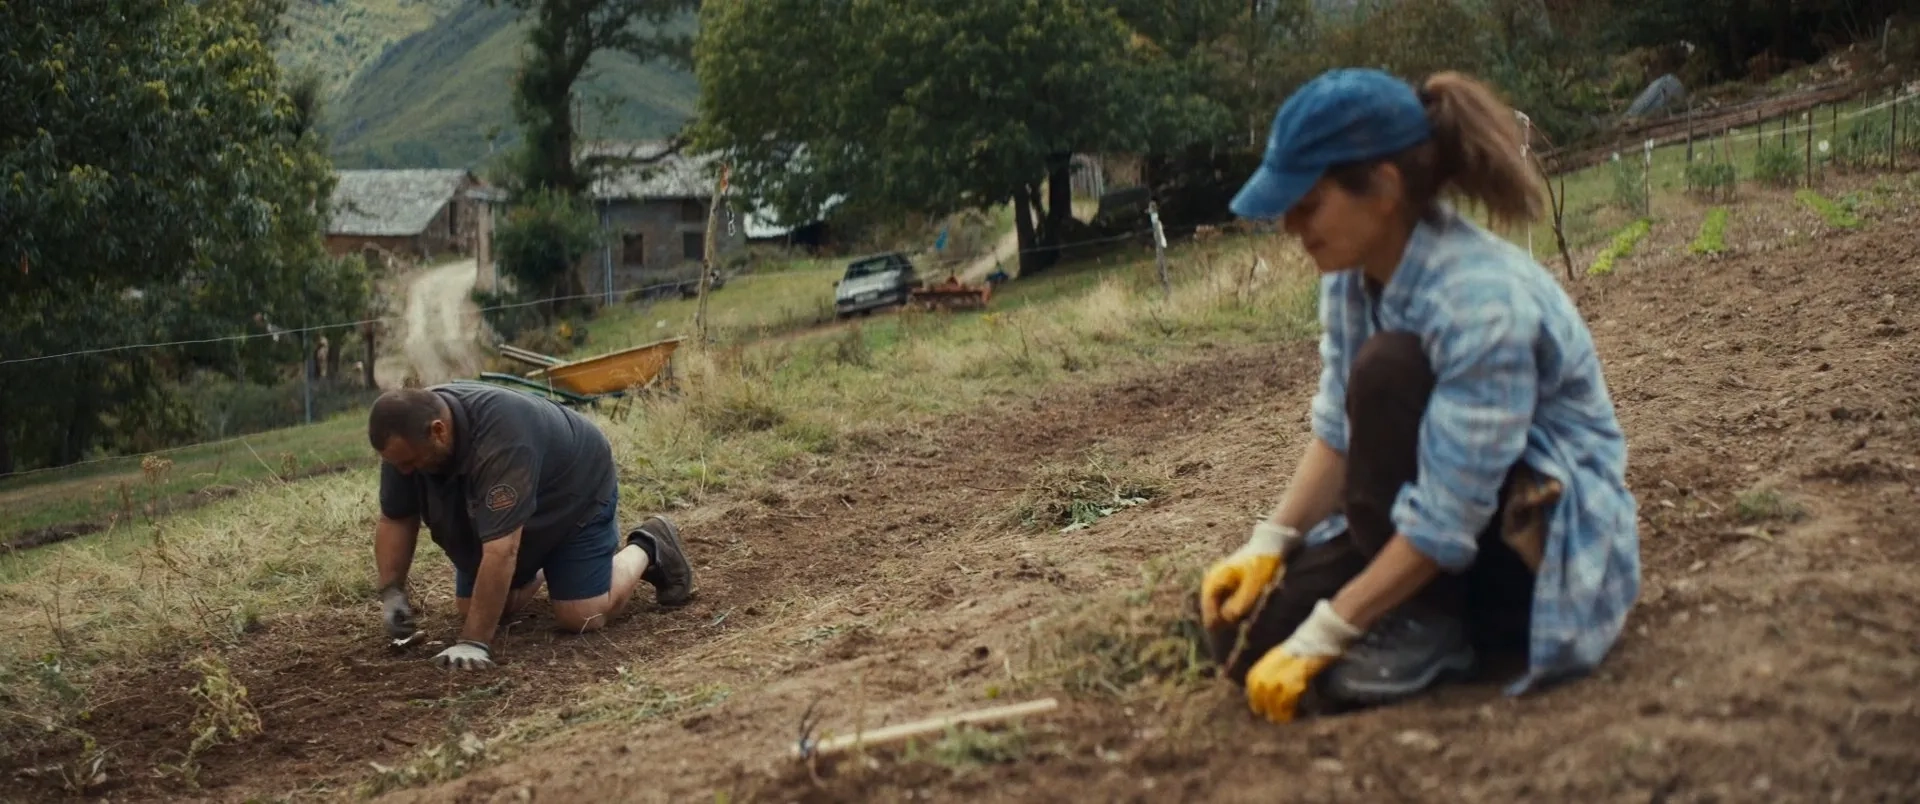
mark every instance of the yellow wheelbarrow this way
{"type": "Point", "coordinates": [585, 381]}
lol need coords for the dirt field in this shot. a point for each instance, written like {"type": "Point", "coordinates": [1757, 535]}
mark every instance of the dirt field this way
{"type": "Point", "coordinates": [1772, 401]}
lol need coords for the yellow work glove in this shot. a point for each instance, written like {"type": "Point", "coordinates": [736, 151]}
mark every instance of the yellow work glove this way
{"type": "Point", "coordinates": [1277, 681]}
{"type": "Point", "coordinates": [1234, 584]}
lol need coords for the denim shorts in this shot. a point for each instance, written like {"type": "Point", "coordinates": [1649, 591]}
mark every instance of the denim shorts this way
{"type": "Point", "coordinates": [580, 568]}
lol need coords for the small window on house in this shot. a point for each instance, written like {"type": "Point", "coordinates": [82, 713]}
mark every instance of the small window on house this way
{"type": "Point", "coordinates": [633, 249]}
{"type": "Point", "coordinates": [694, 245]}
{"type": "Point", "coordinates": [691, 211]}
{"type": "Point", "coordinates": [453, 219]}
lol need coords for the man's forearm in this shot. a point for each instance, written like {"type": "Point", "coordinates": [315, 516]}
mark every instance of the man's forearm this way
{"type": "Point", "coordinates": [393, 546]}
{"type": "Point", "coordinates": [492, 584]}
{"type": "Point", "coordinates": [1396, 574]}
{"type": "Point", "coordinates": [1315, 491]}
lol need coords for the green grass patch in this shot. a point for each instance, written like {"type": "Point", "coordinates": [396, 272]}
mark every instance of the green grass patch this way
{"type": "Point", "coordinates": [1713, 233]}
{"type": "Point", "coordinates": [747, 308]}
{"type": "Point", "coordinates": [1622, 245]}
{"type": "Point", "coordinates": [133, 488]}
{"type": "Point", "coordinates": [1778, 165]}
{"type": "Point", "coordinates": [1834, 214]}
{"type": "Point", "coordinates": [1766, 505]}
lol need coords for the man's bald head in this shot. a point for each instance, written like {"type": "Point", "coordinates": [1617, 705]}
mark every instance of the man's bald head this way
{"type": "Point", "coordinates": [411, 428]}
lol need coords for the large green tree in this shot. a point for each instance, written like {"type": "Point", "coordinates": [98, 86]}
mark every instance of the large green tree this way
{"type": "Point", "coordinates": [551, 227]}
{"type": "Point", "coordinates": [1731, 33]}
{"type": "Point", "coordinates": [158, 183]}
{"type": "Point", "coordinates": [563, 36]}
{"type": "Point", "coordinates": [924, 106]}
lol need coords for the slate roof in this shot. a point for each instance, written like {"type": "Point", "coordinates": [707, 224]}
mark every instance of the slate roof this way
{"type": "Point", "coordinates": [680, 176]}
{"type": "Point", "coordinates": [390, 203]}
{"type": "Point", "coordinates": [675, 177]}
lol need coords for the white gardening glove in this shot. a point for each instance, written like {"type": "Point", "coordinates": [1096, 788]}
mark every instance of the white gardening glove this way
{"type": "Point", "coordinates": [396, 613]}
{"type": "Point", "coordinates": [466, 655]}
{"type": "Point", "coordinates": [1234, 584]}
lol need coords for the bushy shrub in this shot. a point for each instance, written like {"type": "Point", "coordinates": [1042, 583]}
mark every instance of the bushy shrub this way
{"type": "Point", "coordinates": [1778, 165]}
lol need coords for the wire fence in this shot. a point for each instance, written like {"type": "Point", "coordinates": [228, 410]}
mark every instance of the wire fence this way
{"type": "Point", "coordinates": [1794, 150]}
{"type": "Point", "coordinates": [253, 432]}
{"type": "Point", "coordinates": [271, 433]}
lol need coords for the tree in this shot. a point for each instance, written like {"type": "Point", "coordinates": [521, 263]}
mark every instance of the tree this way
{"type": "Point", "coordinates": [548, 174]}
{"type": "Point", "coordinates": [545, 235]}
{"type": "Point", "coordinates": [1733, 32]}
{"type": "Point", "coordinates": [157, 183]}
{"type": "Point", "coordinates": [562, 39]}
{"type": "Point", "coordinates": [933, 107]}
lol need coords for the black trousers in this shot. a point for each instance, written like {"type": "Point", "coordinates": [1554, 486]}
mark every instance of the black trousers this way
{"type": "Point", "coordinates": [1387, 396]}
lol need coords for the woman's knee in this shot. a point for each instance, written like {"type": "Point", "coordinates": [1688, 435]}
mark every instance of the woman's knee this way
{"type": "Point", "coordinates": [1391, 362]}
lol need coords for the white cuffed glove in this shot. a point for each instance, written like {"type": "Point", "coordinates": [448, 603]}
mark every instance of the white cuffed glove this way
{"type": "Point", "coordinates": [466, 655]}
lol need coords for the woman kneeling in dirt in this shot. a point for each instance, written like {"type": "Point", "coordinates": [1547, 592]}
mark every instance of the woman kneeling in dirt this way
{"type": "Point", "coordinates": [1464, 489]}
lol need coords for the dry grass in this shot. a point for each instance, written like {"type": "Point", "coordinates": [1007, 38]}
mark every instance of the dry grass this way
{"type": "Point", "coordinates": [212, 576]}
{"type": "Point", "coordinates": [1074, 496]}
{"type": "Point", "coordinates": [1145, 640]}
{"type": "Point", "coordinates": [628, 700]}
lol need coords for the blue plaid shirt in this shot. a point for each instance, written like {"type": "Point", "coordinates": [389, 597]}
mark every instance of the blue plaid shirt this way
{"type": "Point", "coordinates": [1518, 379]}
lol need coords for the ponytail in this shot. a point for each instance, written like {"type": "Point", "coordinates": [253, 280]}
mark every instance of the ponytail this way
{"type": "Point", "coordinates": [1477, 141]}
{"type": "Point", "coordinates": [1474, 152]}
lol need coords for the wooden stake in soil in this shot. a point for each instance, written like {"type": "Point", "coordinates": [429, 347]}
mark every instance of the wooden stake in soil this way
{"type": "Point", "coordinates": [707, 264]}
{"type": "Point", "coordinates": [918, 728]}
{"type": "Point", "coordinates": [1809, 149]}
{"type": "Point", "coordinates": [1893, 135]}
{"type": "Point", "coordinates": [1160, 248]}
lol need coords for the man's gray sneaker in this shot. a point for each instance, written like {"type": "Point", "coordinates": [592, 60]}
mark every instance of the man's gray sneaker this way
{"type": "Point", "coordinates": [1404, 654]}
{"type": "Point", "coordinates": [667, 569]}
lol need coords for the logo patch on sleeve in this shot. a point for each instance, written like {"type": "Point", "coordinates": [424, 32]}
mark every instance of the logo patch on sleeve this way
{"type": "Point", "coordinates": [502, 498]}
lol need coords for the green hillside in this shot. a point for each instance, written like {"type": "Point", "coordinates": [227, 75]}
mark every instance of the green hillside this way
{"type": "Point", "coordinates": [433, 93]}
{"type": "Point", "coordinates": [338, 37]}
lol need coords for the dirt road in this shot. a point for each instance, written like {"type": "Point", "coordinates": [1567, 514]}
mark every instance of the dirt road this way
{"type": "Point", "coordinates": [1006, 251]}
{"type": "Point", "coordinates": [1772, 406]}
{"type": "Point", "coordinates": [441, 337]}
{"type": "Point", "coordinates": [1005, 254]}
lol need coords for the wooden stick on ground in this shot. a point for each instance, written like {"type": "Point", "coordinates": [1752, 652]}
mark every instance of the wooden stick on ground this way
{"type": "Point", "coordinates": [906, 731]}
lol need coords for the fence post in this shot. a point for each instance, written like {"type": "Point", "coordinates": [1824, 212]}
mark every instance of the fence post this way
{"type": "Point", "coordinates": [1646, 181]}
{"type": "Point", "coordinates": [1526, 145]}
{"type": "Point", "coordinates": [1160, 248]}
{"type": "Point", "coordinates": [1689, 131]}
{"type": "Point", "coordinates": [708, 263]}
{"type": "Point", "coordinates": [1809, 150]}
{"type": "Point", "coordinates": [306, 376]}
{"type": "Point", "coordinates": [1893, 133]}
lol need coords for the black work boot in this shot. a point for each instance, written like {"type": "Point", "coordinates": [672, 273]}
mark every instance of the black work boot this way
{"type": "Point", "coordinates": [1405, 653]}
{"type": "Point", "coordinates": [667, 567]}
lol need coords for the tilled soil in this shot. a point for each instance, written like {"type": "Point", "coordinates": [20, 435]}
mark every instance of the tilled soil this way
{"type": "Point", "coordinates": [1771, 401]}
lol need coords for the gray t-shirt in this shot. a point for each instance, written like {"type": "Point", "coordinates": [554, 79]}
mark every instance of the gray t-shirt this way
{"type": "Point", "coordinates": [518, 461]}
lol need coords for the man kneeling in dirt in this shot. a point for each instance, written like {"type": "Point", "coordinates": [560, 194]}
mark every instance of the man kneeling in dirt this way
{"type": "Point", "coordinates": [516, 490]}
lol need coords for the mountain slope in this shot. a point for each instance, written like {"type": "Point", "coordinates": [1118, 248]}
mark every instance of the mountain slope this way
{"type": "Point", "coordinates": [339, 37]}
{"type": "Point", "coordinates": [431, 98]}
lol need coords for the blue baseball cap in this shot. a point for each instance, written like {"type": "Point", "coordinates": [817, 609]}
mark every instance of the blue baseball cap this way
{"type": "Point", "coordinates": [1344, 115]}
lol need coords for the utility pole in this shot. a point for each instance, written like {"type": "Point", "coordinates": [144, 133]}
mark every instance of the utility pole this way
{"type": "Point", "coordinates": [711, 249]}
{"type": "Point", "coordinates": [306, 375]}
